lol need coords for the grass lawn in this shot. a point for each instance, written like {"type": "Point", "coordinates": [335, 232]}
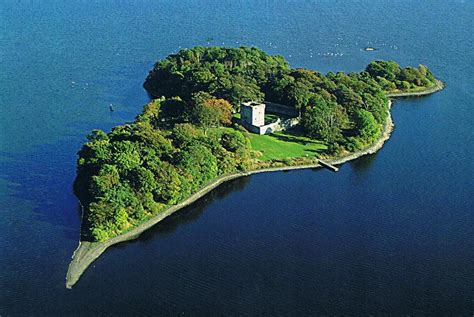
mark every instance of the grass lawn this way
{"type": "Point", "coordinates": [270, 118]}
{"type": "Point", "coordinates": [285, 144]}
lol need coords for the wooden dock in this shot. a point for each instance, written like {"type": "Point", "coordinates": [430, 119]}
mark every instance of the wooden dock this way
{"type": "Point", "coordinates": [328, 166]}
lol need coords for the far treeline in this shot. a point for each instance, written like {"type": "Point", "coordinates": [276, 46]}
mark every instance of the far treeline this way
{"type": "Point", "coordinates": [185, 138]}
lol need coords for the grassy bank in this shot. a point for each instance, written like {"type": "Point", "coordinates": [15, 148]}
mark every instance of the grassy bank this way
{"type": "Point", "coordinates": [284, 145]}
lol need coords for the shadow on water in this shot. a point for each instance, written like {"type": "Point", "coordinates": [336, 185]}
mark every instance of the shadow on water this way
{"type": "Point", "coordinates": [413, 101]}
{"type": "Point", "coordinates": [190, 213]}
{"type": "Point", "coordinates": [363, 164]}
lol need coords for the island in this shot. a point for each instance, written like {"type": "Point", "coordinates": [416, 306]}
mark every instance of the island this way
{"type": "Point", "coordinates": [220, 113]}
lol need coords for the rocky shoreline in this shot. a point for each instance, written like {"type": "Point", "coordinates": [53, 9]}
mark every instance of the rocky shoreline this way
{"type": "Point", "coordinates": [87, 252]}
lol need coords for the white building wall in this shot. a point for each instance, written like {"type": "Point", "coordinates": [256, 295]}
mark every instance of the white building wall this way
{"type": "Point", "coordinates": [258, 115]}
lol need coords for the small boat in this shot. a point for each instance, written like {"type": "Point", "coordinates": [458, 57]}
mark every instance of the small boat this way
{"type": "Point", "coordinates": [370, 49]}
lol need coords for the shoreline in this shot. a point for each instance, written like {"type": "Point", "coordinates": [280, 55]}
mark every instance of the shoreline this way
{"type": "Point", "coordinates": [88, 252]}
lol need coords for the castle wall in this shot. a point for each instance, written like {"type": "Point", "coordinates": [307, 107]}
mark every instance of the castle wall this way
{"type": "Point", "coordinates": [253, 113]}
{"type": "Point", "coordinates": [277, 108]}
{"type": "Point", "coordinates": [246, 114]}
{"type": "Point", "coordinates": [258, 115]}
{"type": "Point", "coordinates": [279, 125]}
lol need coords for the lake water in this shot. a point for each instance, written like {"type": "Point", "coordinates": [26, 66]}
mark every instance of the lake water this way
{"type": "Point", "coordinates": [390, 233]}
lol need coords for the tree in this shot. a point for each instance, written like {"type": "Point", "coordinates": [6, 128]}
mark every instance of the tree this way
{"type": "Point", "coordinates": [172, 110]}
{"type": "Point", "coordinates": [234, 141]}
{"type": "Point", "coordinates": [142, 180]}
{"type": "Point", "coordinates": [125, 155]}
{"type": "Point", "coordinates": [100, 234]}
{"type": "Point", "coordinates": [95, 153]}
{"type": "Point", "coordinates": [120, 218]}
{"type": "Point", "coordinates": [386, 69]}
{"type": "Point", "coordinates": [411, 75]}
{"type": "Point", "coordinates": [367, 127]}
{"type": "Point", "coordinates": [210, 112]}
{"type": "Point", "coordinates": [108, 178]}
{"type": "Point", "coordinates": [275, 89]}
{"type": "Point", "coordinates": [186, 134]}
{"type": "Point", "coordinates": [237, 89]}
{"type": "Point", "coordinates": [348, 98]}
{"type": "Point", "coordinates": [298, 94]}
{"type": "Point", "coordinates": [168, 188]}
{"type": "Point", "coordinates": [426, 73]}
{"type": "Point", "coordinates": [222, 108]}
{"type": "Point", "coordinates": [99, 213]}
{"type": "Point", "coordinates": [324, 120]}
{"type": "Point", "coordinates": [151, 112]}
{"type": "Point", "coordinates": [377, 104]}
{"type": "Point", "coordinates": [97, 135]}
{"type": "Point", "coordinates": [200, 163]}
{"type": "Point", "coordinates": [152, 139]}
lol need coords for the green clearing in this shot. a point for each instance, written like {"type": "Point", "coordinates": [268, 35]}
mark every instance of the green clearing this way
{"type": "Point", "coordinates": [284, 145]}
{"type": "Point", "coordinates": [270, 118]}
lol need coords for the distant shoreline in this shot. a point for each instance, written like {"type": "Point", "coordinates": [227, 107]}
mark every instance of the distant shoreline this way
{"type": "Point", "coordinates": [87, 252]}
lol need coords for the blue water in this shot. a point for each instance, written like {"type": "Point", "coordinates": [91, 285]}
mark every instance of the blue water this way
{"type": "Point", "coordinates": [390, 233]}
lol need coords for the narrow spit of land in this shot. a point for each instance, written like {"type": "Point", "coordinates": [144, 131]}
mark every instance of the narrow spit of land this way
{"type": "Point", "coordinates": [87, 252]}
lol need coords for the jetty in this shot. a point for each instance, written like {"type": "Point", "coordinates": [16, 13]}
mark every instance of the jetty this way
{"type": "Point", "coordinates": [328, 166]}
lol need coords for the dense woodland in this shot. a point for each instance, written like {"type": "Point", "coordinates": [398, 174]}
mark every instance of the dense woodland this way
{"type": "Point", "coordinates": [178, 143]}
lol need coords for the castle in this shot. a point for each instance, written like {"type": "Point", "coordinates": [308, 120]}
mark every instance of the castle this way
{"type": "Point", "coordinates": [252, 116]}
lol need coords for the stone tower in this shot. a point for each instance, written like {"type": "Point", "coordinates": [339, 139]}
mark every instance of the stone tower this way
{"type": "Point", "coordinates": [252, 114]}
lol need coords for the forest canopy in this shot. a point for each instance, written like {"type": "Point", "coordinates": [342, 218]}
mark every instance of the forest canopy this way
{"type": "Point", "coordinates": [329, 105]}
